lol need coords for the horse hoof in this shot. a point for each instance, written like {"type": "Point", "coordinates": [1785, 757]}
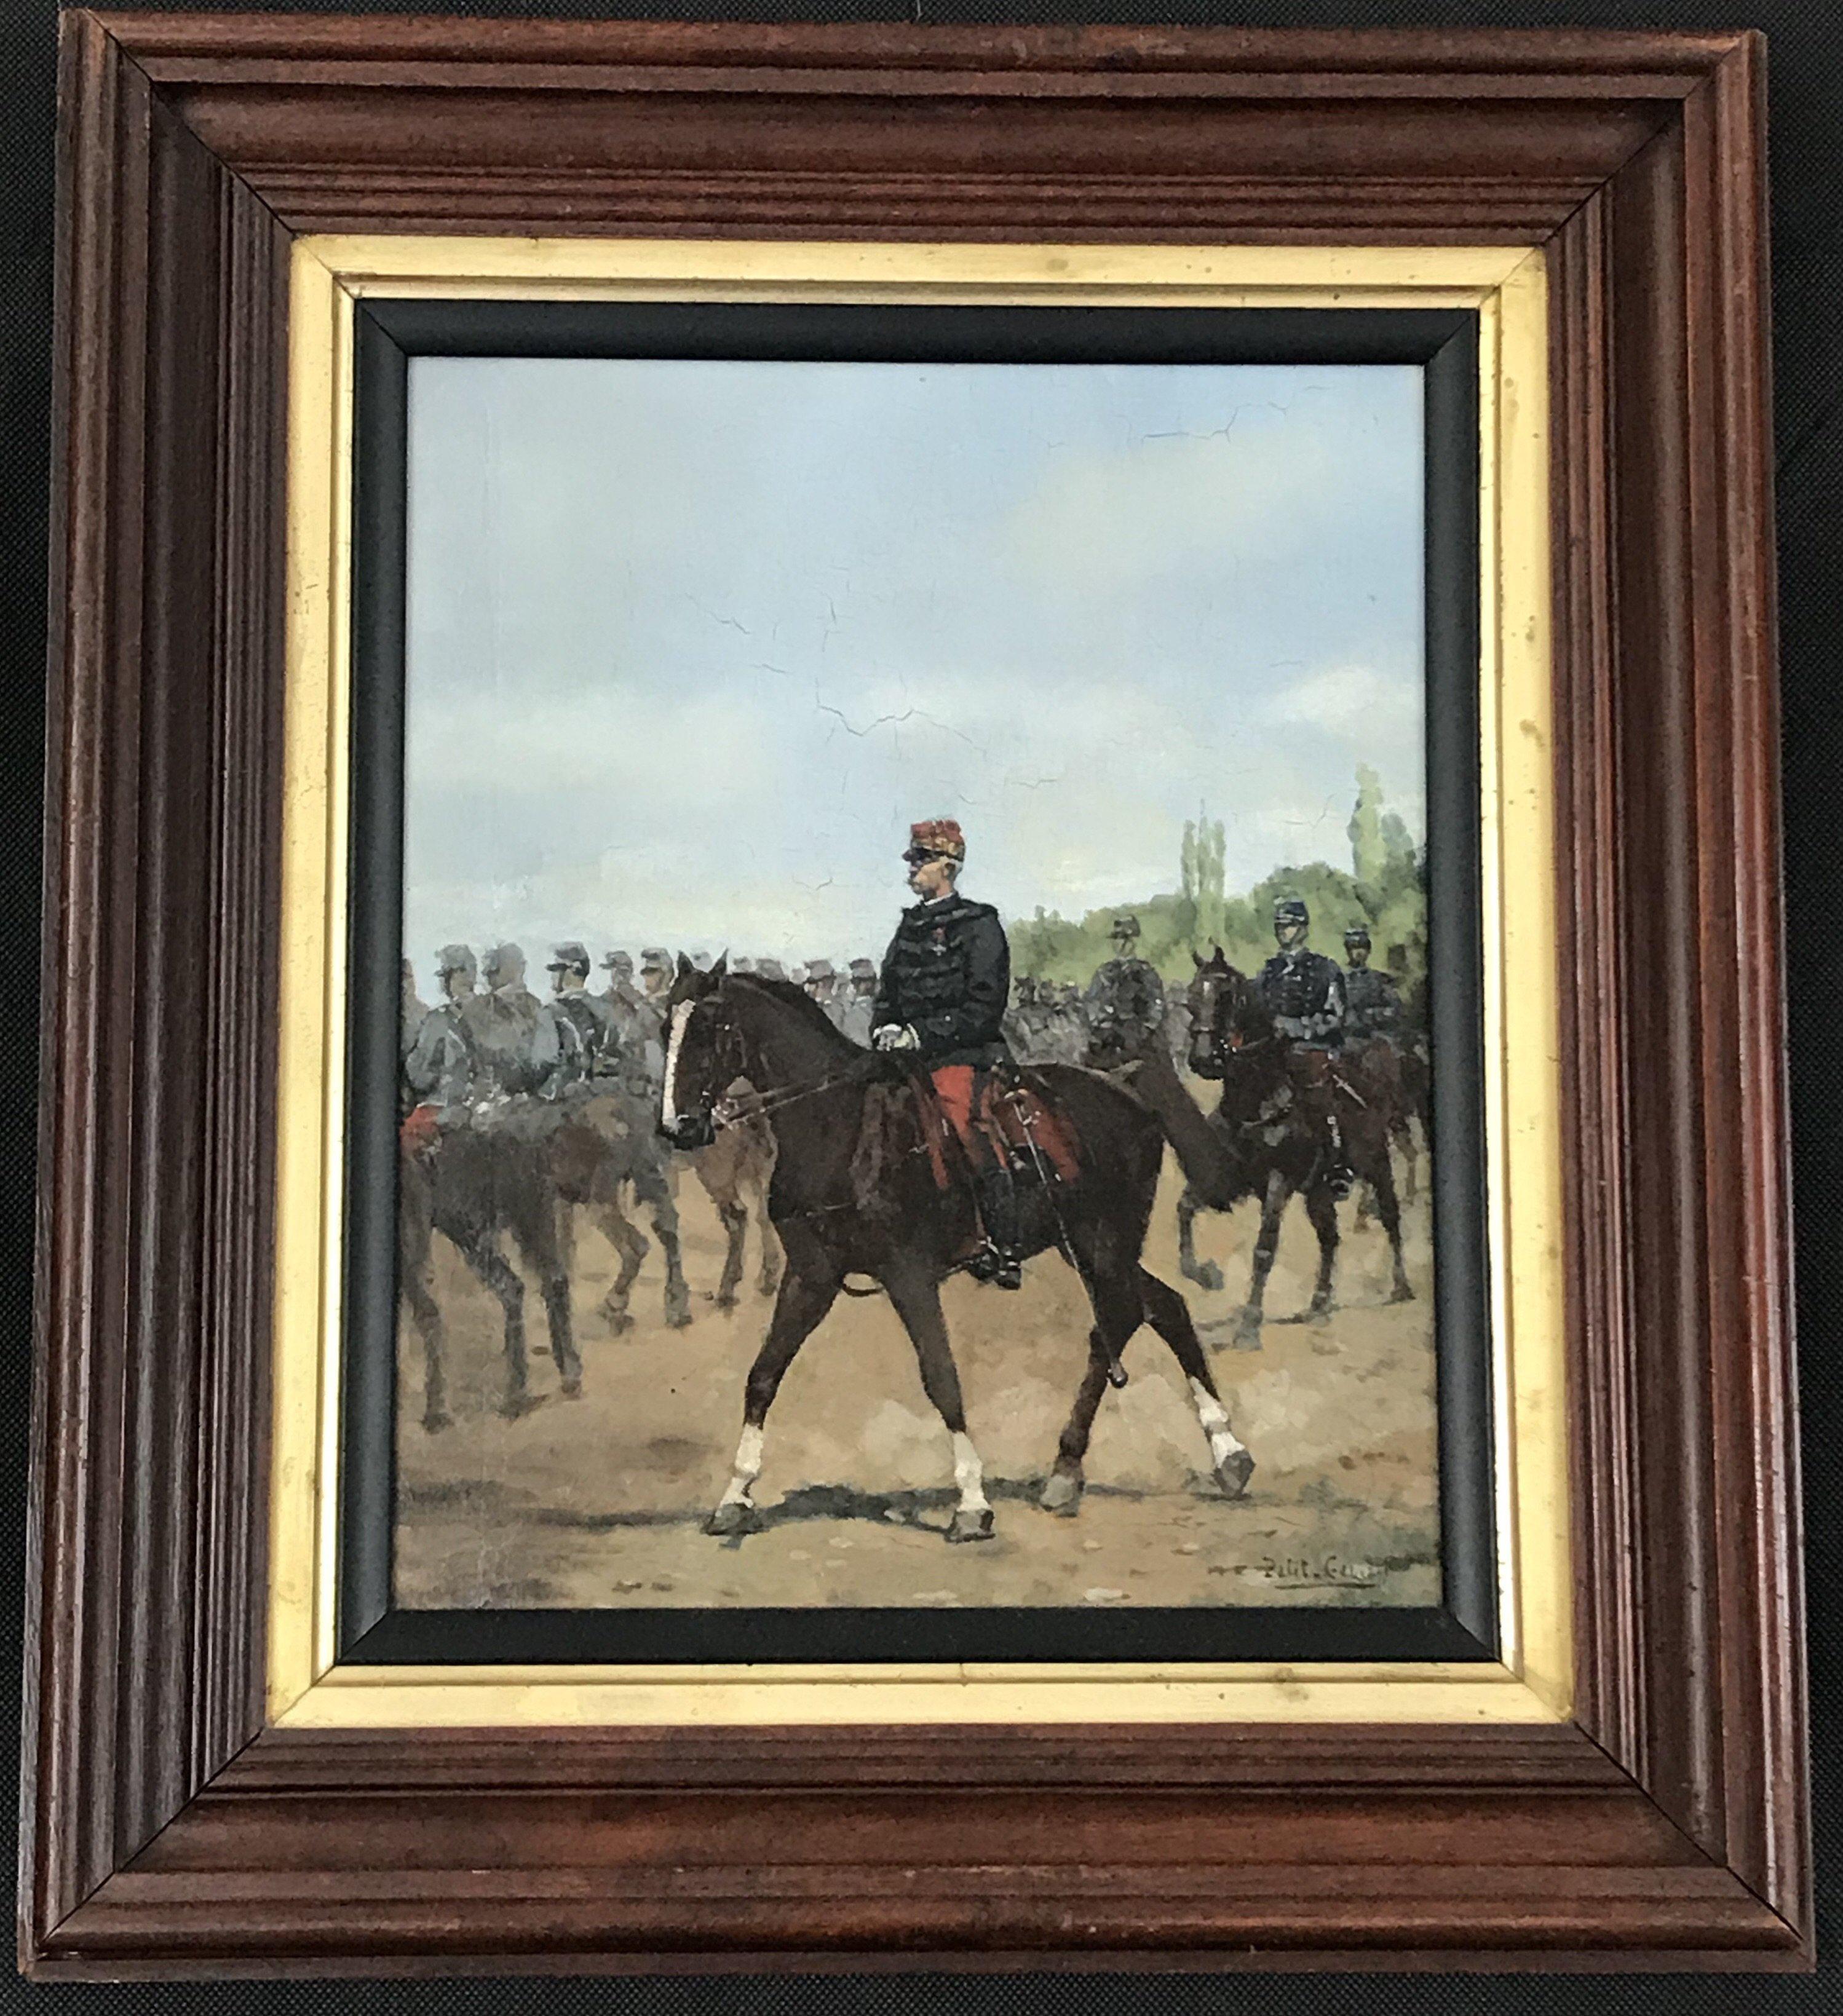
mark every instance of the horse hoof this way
{"type": "Point", "coordinates": [1319, 1312]}
{"type": "Point", "coordinates": [619, 1321]}
{"type": "Point", "coordinates": [731, 1519]}
{"type": "Point", "coordinates": [1401, 1293]}
{"type": "Point", "coordinates": [435, 1418]}
{"type": "Point", "coordinates": [725, 1303]}
{"type": "Point", "coordinates": [1061, 1494]}
{"type": "Point", "coordinates": [515, 1406]}
{"type": "Point", "coordinates": [1233, 1473]}
{"type": "Point", "coordinates": [770, 1285]}
{"type": "Point", "coordinates": [572, 1387]}
{"type": "Point", "coordinates": [971, 1525]}
{"type": "Point", "coordinates": [678, 1317]}
{"type": "Point", "coordinates": [1247, 1334]}
{"type": "Point", "coordinates": [1209, 1276]}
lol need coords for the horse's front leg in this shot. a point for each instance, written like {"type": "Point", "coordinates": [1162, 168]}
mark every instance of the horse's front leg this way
{"type": "Point", "coordinates": [1273, 1205]}
{"type": "Point", "coordinates": [917, 1300]}
{"type": "Point", "coordinates": [799, 1310]}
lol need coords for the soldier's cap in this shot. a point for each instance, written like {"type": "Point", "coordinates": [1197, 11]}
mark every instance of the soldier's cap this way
{"type": "Point", "coordinates": [935, 839]}
{"type": "Point", "coordinates": [742, 963]}
{"type": "Point", "coordinates": [770, 969]}
{"type": "Point", "coordinates": [1290, 910]}
{"type": "Point", "coordinates": [1357, 934]}
{"type": "Point", "coordinates": [1124, 925]}
{"type": "Point", "coordinates": [820, 969]}
{"type": "Point", "coordinates": [618, 962]}
{"type": "Point", "coordinates": [655, 959]}
{"type": "Point", "coordinates": [864, 969]}
{"type": "Point", "coordinates": [568, 957]}
{"type": "Point", "coordinates": [500, 956]}
{"type": "Point", "coordinates": [454, 958]}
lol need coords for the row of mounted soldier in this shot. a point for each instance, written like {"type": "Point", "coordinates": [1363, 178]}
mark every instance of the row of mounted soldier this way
{"type": "Point", "coordinates": [520, 1113]}
{"type": "Point", "coordinates": [491, 1041]}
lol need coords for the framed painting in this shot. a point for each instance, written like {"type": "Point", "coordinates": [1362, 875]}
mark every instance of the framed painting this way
{"type": "Point", "coordinates": [948, 954]}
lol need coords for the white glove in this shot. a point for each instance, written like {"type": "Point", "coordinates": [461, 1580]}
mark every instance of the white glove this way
{"type": "Point", "coordinates": [895, 1036]}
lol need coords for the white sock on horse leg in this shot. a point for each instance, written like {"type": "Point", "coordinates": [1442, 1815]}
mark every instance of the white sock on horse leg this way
{"type": "Point", "coordinates": [1214, 1418]}
{"type": "Point", "coordinates": [969, 1475]}
{"type": "Point", "coordinates": [747, 1468]}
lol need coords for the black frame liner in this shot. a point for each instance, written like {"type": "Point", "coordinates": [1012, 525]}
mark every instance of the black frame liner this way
{"type": "Point", "coordinates": [1445, 342]}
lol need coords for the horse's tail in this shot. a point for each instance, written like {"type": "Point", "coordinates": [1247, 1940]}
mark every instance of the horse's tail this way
{"type": "Point", "coordinates": [1208, 1167]}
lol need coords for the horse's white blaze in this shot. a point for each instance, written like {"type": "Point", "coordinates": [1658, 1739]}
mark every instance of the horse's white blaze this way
{"type": "Point", "coordinates": [681, 1016]}
{"type": "Point", "coordinates": [969, 1475]}
{"type": "Point", "coordinates": [1210, 1412]}
{"type": "Point", "coordinates": [746, 1469]}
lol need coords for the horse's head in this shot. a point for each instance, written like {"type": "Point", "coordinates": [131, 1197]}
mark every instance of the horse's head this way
{"type": "Point", "coordinates": [1225, 1014]}
{"type": "Point", "coordinates": [703, 1053]}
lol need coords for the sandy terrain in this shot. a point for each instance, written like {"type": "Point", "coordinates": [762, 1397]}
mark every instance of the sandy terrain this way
{"type": "Point", "coordinates": [599, 1502]}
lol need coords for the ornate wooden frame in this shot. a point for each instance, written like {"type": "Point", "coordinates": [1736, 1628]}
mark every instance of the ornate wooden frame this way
{"type": "Point", "coordinates": [167, 1831]}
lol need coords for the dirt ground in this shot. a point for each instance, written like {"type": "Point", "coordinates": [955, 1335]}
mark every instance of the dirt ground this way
{"type": "Point", "coordinates": [599, 1502]}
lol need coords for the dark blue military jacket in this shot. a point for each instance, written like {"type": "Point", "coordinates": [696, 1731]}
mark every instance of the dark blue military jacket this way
{"type": "Point", "coordinates": [947, 975]}
{"type": "Point", "coordinates": [1304, 995]}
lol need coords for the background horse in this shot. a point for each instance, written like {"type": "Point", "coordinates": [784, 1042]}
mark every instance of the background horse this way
{"type": "Point", "coordinates": [602, 1150]}
{"type": "Point", "coordinates": [472, 1185]}
{"type": "Point", "coordinates": [1272, 1145]}
{"type": "Point", "coordinates": [854, 1191]}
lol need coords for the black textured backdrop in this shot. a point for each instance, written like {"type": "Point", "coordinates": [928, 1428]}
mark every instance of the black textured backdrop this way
{"type": "Point", "coordinates": [1806, 57]}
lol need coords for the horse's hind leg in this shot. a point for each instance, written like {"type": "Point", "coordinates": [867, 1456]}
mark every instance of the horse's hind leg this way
{"type": "Point", "coordinates": [416, 1274]}
{"type": "Point", "coordinates": [1403, 1136]}
{"type": "Point", "coordinates": [630, 1243]}
{"type": "Point", "coordinates": [538, 1242]}
{"type": "Point", "coordinates": [1118, 1312]}
{"type": "Point", "coordinates": [1321, 1208]}
{"type": "Point", "coordinates": [801, 1307]}
{"type": "Point", "coordinates": [1390, 1211]}
{"type": "Point", "coordinates": [730, 1209]}
{"type": "Point", "coordinates": [495, 1271]}
{"type": "Point", "coordinates": [768, 1280]}
{"type": "Point", "coordinates": [1168, 1314]}
{"type": "Point", "coordinates": [651, 1187]}
{"type": "Point", "coordinates": [419, 1292]}
{"type": "Point", "coordinates": [917, 1301]}
{"type": "Point", "coordinates": [1206, 1274]}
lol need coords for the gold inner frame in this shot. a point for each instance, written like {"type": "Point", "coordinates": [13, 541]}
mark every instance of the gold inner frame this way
{"type": "Point", "coordinates": [1507, 285]}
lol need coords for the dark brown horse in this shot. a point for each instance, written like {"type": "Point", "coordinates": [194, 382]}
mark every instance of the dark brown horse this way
{"type": "Point", "coordinates": [473, 1185]}
{"type": "Point", "coordinates": [884, 1214]}
{"type": "Point", "coordinates": [1272, 1145]}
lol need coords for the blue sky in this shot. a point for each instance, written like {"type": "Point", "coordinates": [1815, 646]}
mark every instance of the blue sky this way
{"type": "Point", "coordinates": [691, 643]}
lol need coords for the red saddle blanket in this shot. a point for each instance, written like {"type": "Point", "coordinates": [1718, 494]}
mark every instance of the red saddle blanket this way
{"type": "Point", "coordinates": [1016, 1122]}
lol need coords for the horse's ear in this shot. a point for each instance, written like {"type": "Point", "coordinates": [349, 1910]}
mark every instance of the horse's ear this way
{"type": "Point", "coordinates": [1220, 960]}
{"type": "Point", "coordinates": [684, 965]}
{"type": "Point", "coordinates": [1196, 959]}
{"type": "Point", "coordinates": [722, 965]}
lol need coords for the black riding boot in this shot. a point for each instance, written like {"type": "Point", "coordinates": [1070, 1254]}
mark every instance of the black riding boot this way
{"type": "Point", "coordinates": [1002, 1260]}
{"type": "Point", "coordinates": [1338, 1174]}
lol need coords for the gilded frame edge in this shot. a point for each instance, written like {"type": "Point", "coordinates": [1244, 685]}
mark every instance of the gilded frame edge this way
{"type": "Point", "coordinates": [1508, 286]}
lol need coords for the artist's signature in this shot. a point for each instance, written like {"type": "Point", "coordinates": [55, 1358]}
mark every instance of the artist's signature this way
{"type": "Point", "coordinates": [1311, 1571]}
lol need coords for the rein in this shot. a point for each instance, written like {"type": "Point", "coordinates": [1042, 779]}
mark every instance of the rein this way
{"type": "Point", "coordinates": [739, 1111]}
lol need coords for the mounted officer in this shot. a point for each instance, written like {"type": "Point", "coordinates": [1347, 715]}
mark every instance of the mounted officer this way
{"type": "Point", "coordinates": [1372, 1007]}
{"type": "Point", "coordinates": [440, 1074]}
{"type": "Point", "coordinates": [592, 1016]}
{"type": "Point", "coordinates": [522, 1049]}
{"type": "Point", "coordinates": [1125, 1002]}
{"type": "Point", "coordinates": [1304, 993]}
{"type": "Point", "coordinates": [941, 998]}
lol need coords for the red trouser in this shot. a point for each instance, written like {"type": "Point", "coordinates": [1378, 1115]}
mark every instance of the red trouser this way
{"type": "Point", "coordinates": [964, 1092]}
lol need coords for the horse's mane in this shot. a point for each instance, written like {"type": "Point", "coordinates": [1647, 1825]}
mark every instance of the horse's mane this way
{"type": "Point", "coordinates": [790, 996]}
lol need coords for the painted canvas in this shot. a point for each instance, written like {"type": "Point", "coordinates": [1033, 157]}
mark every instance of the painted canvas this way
{"type": "Point", "coordinates": [915, 1054]}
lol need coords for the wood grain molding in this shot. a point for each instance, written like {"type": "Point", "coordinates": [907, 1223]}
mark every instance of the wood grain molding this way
{"type": "Point", "coordinates": [165, 1831]}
